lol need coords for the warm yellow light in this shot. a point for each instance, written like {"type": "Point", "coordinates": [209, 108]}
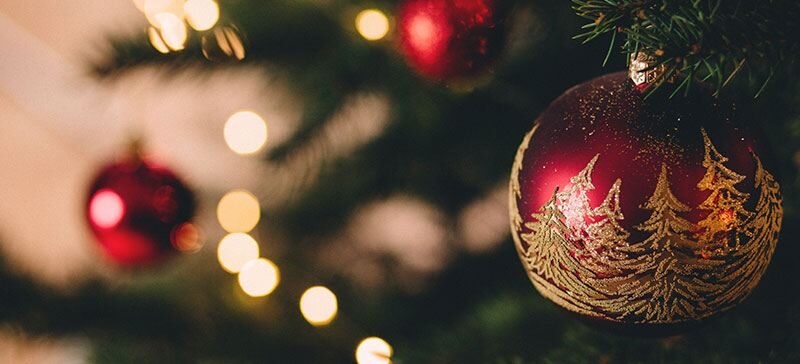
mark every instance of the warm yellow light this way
{"type": "Point", "coordinates": [373, 350]}
{"type": "Point", "coordinates": [259, 277]}
{"type": "Point", "coordinates": [151, 8]}
{"type": "Point", "coordinates": [201, 14]}
{"type": "Point", "coordinates": [245, 132]}
{"type": "Point", "coordinates": [318, 305]}
{"type": "Point", "coordinates": [372, 24]}
{"type": "Point", "coordinates": [156, 41]}
{"type": "Point", "coordinates": [172, 29]}
{"type": "Point", "coordinates": [139, 5]}
{"type": "Point", "coordinates": [238, 211]}
{"type": "Point", "coordinates": [236, 249]}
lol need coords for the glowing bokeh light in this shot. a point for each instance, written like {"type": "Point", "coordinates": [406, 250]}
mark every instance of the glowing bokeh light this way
{"type": "Point", "coordinates": [259, 277]}
{"type": "Point", "coordinates": [372, 24]}
{"type": "Point", "coordinates": [374, 350]}
{"type": "Point", "coordinates": [223, 43]}
{"type": "Point", "coordinates": [156, 41]}
{"type": "Point", "coordinates": [172, 29]}
{"type": "Point", "coordinates": [139, 4]}
{"type": "Point", "coordinates": [318, 305]}
{"type": "Point", "coordinates": [106, 209]}
{"type": "Point", "coordinates": [186, 238]}
{"type": "Point", "coordinates": [238, 211]}
{"type": "Point", "coordinates": [245, 132]}
{"type": "Point", "coordinates": [201, 14]}
{"type": "Point", "coordinates": [151, 8]}
{"type": "Point", "coordinates": [236, 249]}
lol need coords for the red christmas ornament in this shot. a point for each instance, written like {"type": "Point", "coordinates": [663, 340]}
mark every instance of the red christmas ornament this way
{"type": "Point", "coordinates": [652, 212]}
{"type": "Point", "coordinates": [450, 40]}
{"type": "Point", "coordinates": [139, 212]}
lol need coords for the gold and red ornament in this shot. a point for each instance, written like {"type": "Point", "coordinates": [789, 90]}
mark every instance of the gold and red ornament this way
{"type": "Point", "coordinates": [451, 40]}
{"type": "Point", "coordinates": [652, 213]}
{"type": "Point", "coordinates": [139, 212]}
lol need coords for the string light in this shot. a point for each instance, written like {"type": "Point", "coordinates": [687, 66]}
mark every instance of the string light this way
{"type": "Point", "coordinates": [245, 132]}
{"type": "Point", "coordinates": [374, 350]}
{"type": "Point", "coordinates": [156, 41]}
{"type": "Point", "coordinates": [186, 238]}
{"type": "Point", "coordinates": [238, 211]}
{"type": "Point", "coordinates": [139, 5]}
{"type": "Point", "coordinates": [236, 249]}
{"type": "Point", "coordinates": [172, 30]}
{"type": "Point", "coordinates": [152, 8]}
{"type": "Point", "coordinates": [201, 14]}
{"type": "Point", "coordinates": [372, 24]}
{"type": "Point", "coordinates": [318, 305]}
{"type": "Point", "coordinates": [259, 277]}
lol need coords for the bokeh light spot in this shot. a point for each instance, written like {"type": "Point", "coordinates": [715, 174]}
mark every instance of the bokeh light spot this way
{"type": "Point", "coordinates": [156, 41]}
{"type": "Point", "coordinates": [151, 8]}
{"type": "Point", "coordinates": [186, 238]}
{"type": "Point", "coordinates": [318, 305]}
{"type": "Point", "coordinates": [223, 43]}
{"type": "Point", "coordinates": [106, 208]}
{"type": "Point", "coordinates": [374, 350]}
{"type": "Point", "coordinates": [236, 249]}
{"type": "Point", "coordinates": [372, 24]}
{"type": "Point", "coordinates": [245, 132]}
{"type": "Point", "coordinates": [172, 29]}
{"type": "Point", "coordinates": [259, 277]}
{"type": "Point", "coordinates": [238, 211]}
{"type": "Point", "coordinates": [201, 14]}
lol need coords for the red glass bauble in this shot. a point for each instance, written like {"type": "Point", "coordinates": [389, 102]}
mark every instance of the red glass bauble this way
{"type": "Point", "coordinates": [138, 211]}
{"type": "Point", "coordinates": [644, 211]}
{"type": "Point", "coordinates": [450, 40]}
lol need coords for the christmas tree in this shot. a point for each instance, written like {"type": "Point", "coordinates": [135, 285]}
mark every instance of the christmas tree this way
{"type": "Point", "coordinates": [385, 188]}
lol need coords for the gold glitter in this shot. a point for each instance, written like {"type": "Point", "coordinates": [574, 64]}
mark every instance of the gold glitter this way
{"type": "Point", "coordinates": [580, 258]}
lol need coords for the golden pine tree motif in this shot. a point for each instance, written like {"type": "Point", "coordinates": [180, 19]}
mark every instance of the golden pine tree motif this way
{"type": "Point", "coordinates": [515, 192]}
{"type": "Point", "coordinates": [551, 258]}
{"type": "Point", "coordinates": [574, 203]}
{"type": "Point", "coordinates": [580, 258]}
{"type": "Point", "coordinates": [667, 284]}
{"type": "Point", "coordinates": [606, 239]}
{"type": "Point", "coordinates": [750, 261]}
{"type": "Point", "coordinates": [721, 230]}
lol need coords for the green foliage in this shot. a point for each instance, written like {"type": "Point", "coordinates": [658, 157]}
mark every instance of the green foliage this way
{"type": "Point", "coordinates": [445, 147]}
{"type": "Point", "coordinates": [700, 40]}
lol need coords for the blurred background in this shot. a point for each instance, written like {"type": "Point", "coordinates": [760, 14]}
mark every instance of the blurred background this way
{"type": "Point", "coordinates": [309, 142]}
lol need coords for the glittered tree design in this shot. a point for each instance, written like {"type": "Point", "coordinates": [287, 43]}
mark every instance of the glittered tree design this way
{"type": "Point", "coordinates": [666, 283]}
{"type": "Point", "coordinates": [720, 231]}
{"type": "Point", "coordinates": [515, 191]}
{"type": "Point", "coordinates": [605, 237]}
{"type": "Point", "coordinates": [750, 261]}
{"type": "Point", "coordinates": [551, 256]}
{"type": "Point", "coordinates": [574, 203]}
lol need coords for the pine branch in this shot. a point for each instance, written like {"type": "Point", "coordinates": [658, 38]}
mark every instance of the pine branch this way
{"type": "Point", "coordinates": [712, 41]}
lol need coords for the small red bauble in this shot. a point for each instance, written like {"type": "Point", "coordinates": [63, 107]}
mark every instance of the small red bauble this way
{"type": "Point", "coordinates": [652, 212]}
{"type": "Point", "coordinates": [449, 40]}
{"type": "Point", "coordinates": [138, 212]}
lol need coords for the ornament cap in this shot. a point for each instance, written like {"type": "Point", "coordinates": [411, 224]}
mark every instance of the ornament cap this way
{"type": "Point", "coordinates": [643, 69]}
{"type": "Point", "coordinates": [135, 151]}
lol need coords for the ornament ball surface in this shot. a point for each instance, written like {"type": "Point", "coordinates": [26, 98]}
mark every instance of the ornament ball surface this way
{"type": "Point", "coordinates": [447, 40]}
{"type": "Point", "coordinates": [646, 212]}
{"type": "Point", "coordinates": [136, 210]}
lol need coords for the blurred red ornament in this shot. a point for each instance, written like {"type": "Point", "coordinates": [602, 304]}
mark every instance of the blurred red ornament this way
{"type": "Point", "coordinates": [646, 212]}
{"type": "Point", "coordinates": [449, 40]}
{"type": "Point", "coordinates": [139, 212]}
